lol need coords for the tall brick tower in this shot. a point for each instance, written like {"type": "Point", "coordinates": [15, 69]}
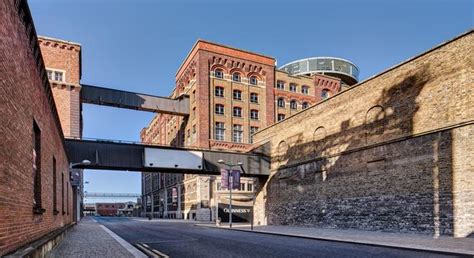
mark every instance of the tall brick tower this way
{"type": "Point", "coordinates": [63, 65]}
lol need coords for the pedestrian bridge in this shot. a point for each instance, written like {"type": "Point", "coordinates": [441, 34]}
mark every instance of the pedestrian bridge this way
{"type": "Point", "coordinates": [131, 156]}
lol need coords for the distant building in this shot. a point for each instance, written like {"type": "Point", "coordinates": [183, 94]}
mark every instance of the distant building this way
{"type": "Point", "coordinates": [109, 208]}
{"type": "Point", "coordinates": [233, 93]}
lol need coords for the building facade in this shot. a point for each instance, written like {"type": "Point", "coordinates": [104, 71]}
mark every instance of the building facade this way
{"type": "Point", "coordinates": [63, 67]}
{"type": "Point", "coordinates": [233, 94]}
{"type": "Point", "coordinates": [35, 193]}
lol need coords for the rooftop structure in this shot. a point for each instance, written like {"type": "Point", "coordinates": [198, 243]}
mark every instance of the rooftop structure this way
{"type": "Point", "coordinates": [343, 69]}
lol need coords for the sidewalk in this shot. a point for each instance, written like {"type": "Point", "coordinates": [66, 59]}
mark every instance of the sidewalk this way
{"type": "Point", "coordinates": [90, 239]}
{"type": "Point", "coordinates": [463, 246]}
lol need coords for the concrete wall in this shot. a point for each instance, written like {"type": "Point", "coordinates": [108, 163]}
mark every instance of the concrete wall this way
{"type": "Point", "coordinates": [25, 97]}
{"type": "Point", "coordinates": [393, 153]}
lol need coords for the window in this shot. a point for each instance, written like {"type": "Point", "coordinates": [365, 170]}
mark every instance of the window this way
{"type": "Point", "coordinates": [238, 133]}
{"type": "Point", "coordinates": [305, 105]}
{"type": "Point", "coordinates": [194, 95]}
{"type": "Point", "coordinates": [293, 87]}
{"type": "Point", "coordinates": [254, 97]}
{"type": "Point", "coordinates": [242, 187]}
{"type": "Point", "coordinates": [253, 80]}
{"type": "Point", "coordinates": [280, 85]}
{"type": "Point", "coordinates": [281, 102]}
{"type": "Point", "coordinates": [219, 91]}
{"type": "Point", "coordinates": [236, 77]}
{"type": "Point", "coordinates": [55, 193]}
{"type": "Point", "coordinates": [219, 73]}
{"type": "Point", "coordinates": [250, 187]}
{"type": "Point", "coordinates": [280, 117]}
{"type": "Point", "coordinates": [219, 109]}
{"type": "Point", "coordinates": [254, 114]}
{"type": "Point", "coordinates": [253, 130]}
{"type": "Point", "coordinates": [62, 193]}
{"type": "Point", "coordinates": [237, 94]}
{"type": "Point", "coordinates": [37, 205]}
{"type": "Point", "coordinates": [294, 104]}
{"type": "Point", "coordinates": [324, 94]}
{"type": "Point", "coordinates": [58, 76]}
{"type": "Point", "coordinates": [305, 90]}
{"type": "Point", "coordinates": [50, 74]}
{"type": "Point", "coordinates": [238, 111]}
{"type": "Point", "coordinates": [219, 131]}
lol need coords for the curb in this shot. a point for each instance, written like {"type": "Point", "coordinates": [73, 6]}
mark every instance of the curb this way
{"type": "Point", "coordinates": [43, 245]}
{"type": "Point", "coordinates": [439, 251]}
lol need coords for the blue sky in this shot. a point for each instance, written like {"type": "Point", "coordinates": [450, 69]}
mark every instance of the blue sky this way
{"type": "Point", "coordinates": [139, 45]}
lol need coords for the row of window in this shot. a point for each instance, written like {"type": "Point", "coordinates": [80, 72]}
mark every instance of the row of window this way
{"type": "Point", "coordinates": [242, 187]}
{"type": "Point", "coordinates": [37, 173]}
{"type": "Point", "coordinates": [236, 76]}
{"type": "Point", "coordinates": [237, 112]}
{"type": "Point", "coordinates": [293, 87]}
{"type": "Point", "coordinates": [237, 132]}
{"type": "Point", "coordinates": [293, 104]}
{"type": "Point", "coordinates": [236, 94]}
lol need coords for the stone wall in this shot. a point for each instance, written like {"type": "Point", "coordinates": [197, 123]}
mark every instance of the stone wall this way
{"type": "Point", "coordinates": [393, 153]}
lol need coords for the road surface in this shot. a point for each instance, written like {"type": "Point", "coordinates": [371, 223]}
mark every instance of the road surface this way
{"type": "Point", "coordinates": [183, 239]}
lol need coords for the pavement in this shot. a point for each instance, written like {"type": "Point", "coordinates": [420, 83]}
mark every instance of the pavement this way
{"type": "Point", "coordinates": [463, 246]}
{"type": "Point", "coordinates": [140, 237]}
{"type": "Point", "coordinates": [176, 238]}
{"type": "Point", "coordinates": [90, 239]}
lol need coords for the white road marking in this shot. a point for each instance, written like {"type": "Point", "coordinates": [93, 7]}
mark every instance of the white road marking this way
{"type": "Point", "coordinates": [134, 251]}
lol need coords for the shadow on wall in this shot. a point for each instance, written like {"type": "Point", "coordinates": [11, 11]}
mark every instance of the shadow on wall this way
{"type": "Point", "coordinates": [369, 177]}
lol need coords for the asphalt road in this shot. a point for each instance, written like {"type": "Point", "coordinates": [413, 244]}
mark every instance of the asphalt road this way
{"type": "Point", "coordinates": [182, 239]}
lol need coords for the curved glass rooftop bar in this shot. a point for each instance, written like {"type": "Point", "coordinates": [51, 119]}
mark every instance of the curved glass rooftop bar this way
{"type": "Point", "coordinates": [347, 71]}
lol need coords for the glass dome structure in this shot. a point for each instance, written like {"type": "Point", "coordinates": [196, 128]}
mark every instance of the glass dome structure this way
{"type": "Point", "coordinates": [347, 71]}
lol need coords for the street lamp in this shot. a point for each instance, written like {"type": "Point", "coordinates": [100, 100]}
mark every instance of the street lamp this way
{"type": "Point", "coordinates": [229, 171]}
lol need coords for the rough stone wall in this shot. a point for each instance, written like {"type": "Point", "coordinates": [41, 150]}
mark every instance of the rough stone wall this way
{"type": "Point", "coordinates": [24, 98]}
{"type": "Point", "coordinates": [392, 153]}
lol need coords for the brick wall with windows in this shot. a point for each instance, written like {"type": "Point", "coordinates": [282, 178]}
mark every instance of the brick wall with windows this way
{"type": "Point", "coordinates": [28, 164]}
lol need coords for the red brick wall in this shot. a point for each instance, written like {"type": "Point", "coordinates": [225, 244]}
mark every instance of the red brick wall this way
{"type": "Point", "coordinates": [65, 56]}
{"type": "Point", "coordinates": [24, 97]}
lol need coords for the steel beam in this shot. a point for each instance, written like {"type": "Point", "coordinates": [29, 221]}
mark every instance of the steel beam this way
{"type": "Point", "coordinates": [111, 155]}
{"type": "Point", "coordinates": [131, 100]}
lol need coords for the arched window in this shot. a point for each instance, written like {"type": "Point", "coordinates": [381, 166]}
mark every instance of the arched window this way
{"type": "Point", "coordinates": [293, 104]}
{"type": "Point", "coordinates": [219, 73]}
{"type": "Point", "coordinates": [236, 77]}
{"type": "Point", "coordinates": [325, 94]}
{"type": "Point", "coordinates": [253, 80]}
{"type": "Point", "coordinates": [281, 102]}
{"type": "Point", "coordinates": [305, 105]}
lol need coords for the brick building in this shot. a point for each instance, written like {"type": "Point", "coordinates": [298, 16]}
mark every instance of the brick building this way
{"type": "Point", "coordinates": [63, 67]}
{"type": "Point", "coordinates": [392, 153]}
{"type": "Point", "coordinates": [35, 192]}
{"type": "Point", "coordinates": [233, 94]}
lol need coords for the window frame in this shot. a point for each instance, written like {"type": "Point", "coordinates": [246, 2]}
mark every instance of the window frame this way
{"type": "Point", "coordinates": [239, 77]}
{"type": "Point", "coordinates": [253, 116]}
{"type": "Point", "coordinates": [239, 113]}
{"type": "Point", "coordinates": [237, 133]}
{"type": "Point", "coordinates": [238, 93]}
{"type": "Point", "coordinates": [217, 109]}
{"type": "Point", "coordinates": [219, 89]}
{"type": "Point", "coordinates": [253, 80]}
{"type": "Point", "coordinates": [219, 71]}
{"type": "Point", "coordinates": [219, 131]}
{"type": "Point", "coordinates": [295, 106]}
{"type": "Point", "coordinates": [282, 83]}
{"type": "Point", "coordinates": [281, 100]}
{"type": "Point", "coordinates": [254, 100]}
{"type": "Point", "coordinates": [292, 87]}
